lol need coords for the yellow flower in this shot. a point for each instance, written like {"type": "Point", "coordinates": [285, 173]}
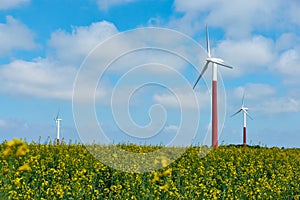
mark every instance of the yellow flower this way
{"type": "Point", "coordinates": [24, 168]}
{"type": "Point", "coordinates": [106, 190]}
{"type": "Point", "coordinates": [22, 150]}
{"type": "Point", "coordinates": [5, 171]}
{"type": "Point", "coordinates": [164, 187]}
{"type": "Point", "coordinates": [155, 178]}
{"type": "Point", "coordinates": [167, 172]}
{"type": "Point", "coordinates": [164, 162]}
{"type": "Point", "coordinates": [14, 142]}
{"type": "Point", "coordinates": [7, 152]}
{"type": "Point", "coordinates": [113, 188]}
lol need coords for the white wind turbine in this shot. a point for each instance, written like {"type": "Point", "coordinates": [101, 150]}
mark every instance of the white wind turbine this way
{"type": "Point", "coordinates": [215, 62]}
{"type": "Point", "coordinates": [57, 121]}
{"type": "Point", "coordinates": [245, 112]}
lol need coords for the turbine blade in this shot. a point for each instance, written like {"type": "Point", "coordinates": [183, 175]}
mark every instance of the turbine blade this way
{"type": "Point", "coordinates": [201, 74]}
{"type": "Point", "coordinates": [57, 114]}
{"type": "Point", "coordinates": [237, 112]}
{"type": "Point", "coordinates": [222, 64]}
{"type": "Point", "coordinates": [248, 115]}
{"type": "Point", "coordinates": [243, 101]}
{"type": "Point", "coordinates": [207, 42]}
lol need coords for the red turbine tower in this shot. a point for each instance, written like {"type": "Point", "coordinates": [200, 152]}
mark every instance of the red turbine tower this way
{"type": "Point", "coordinates": [215, 62]}
{"type": "Point", "coordinates": [245, 112]}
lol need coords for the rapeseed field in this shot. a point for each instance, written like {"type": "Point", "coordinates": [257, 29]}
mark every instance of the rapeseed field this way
{"type": "Point", "coordinates": [69, 171]}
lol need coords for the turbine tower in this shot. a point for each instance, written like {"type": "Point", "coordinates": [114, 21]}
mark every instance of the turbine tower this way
{"type": "Point", "coordinates": [245, 114]}
{"type": "Point", "coordinates": [57, 121]}
{"type": "Point", "coordinates": [215, 62]}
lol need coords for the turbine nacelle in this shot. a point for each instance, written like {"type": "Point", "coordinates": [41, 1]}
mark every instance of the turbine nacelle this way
{"type": "Point", "coordinates": [243, 108]}
{"type": "Point", "coordinates": [218, 61]}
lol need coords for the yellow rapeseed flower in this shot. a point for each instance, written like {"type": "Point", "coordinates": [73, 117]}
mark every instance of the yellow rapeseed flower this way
{"type": "Point", "coordinates": [7, 152]}
{"type": "Point", "coordinates": [167, 172]}
{"type": "Point", "coordinates": [155, 178]}
{"type": "Point", "coordinates": [164, 187]}
{"type": "Point", "coordinates": [14, 142]}
{"type": "Point", "coordinates": [22, 150]}
{"type": "Point", "coordinates": [24, 168]}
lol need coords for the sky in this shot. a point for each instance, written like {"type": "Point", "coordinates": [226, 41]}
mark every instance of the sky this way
{"type": "Point", "coordinates": [145, 95]}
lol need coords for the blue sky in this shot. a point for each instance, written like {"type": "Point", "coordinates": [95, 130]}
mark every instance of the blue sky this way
{"type": "Point", "coordinates": [44, 43]}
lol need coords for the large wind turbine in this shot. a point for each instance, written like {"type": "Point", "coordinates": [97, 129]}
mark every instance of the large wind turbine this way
{"type": "Point", "coordinates": [245, 112]}
{"type": "Point", "coordinates": [57, 120]}
{"type": "Point", "coordinates": [215, 62]}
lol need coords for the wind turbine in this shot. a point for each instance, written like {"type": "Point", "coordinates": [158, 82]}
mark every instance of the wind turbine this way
{"type": "Point", "coordinates": [245, 112]}
{"type": "Point", "coordinates": [215, 62]}
{"type": "Point", "coordinates": [57, 121]}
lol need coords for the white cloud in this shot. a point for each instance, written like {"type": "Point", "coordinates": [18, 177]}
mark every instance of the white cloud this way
{"type": "Point", "coordinates": [239, 18]}
{"type": "Point", "coordinates": [106, 4]}
{"type": "Point", "coordinates": [171, 128]}
{"type": "Point", "coordinates": [2, 123]}
{"type": "Point", "coordinates": [39, 78]}
{"type": "Point", "coordinates": [8, 4]}
{"type": "Point", "coordinates": [246, 55]}
{"type": "Point", "coordinates": [53, 76]}
{"type": "Point", "coordinates": [73, 48]}
{"type": "Point", "coordinates": [262, 98]}
{"type": "Point", "coordinates": [254, 91]}
{"type": "Point", "coordinates": [287, 41]}
{"type": "Point", "coordinates": [182, 98]}
{"type": "Point", "coordinates": [279, 105]}
{"type": "Point", "coordinates": [15, 36]}
{"type": "Point", "coordinates": [289, 66]}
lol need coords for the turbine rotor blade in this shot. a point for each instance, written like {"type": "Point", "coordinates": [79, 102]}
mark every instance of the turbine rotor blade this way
{"type": "Point", "coordinates": [207, 42]}
{"type": "Point", "coordinates": [236, 112]}
{"type": "Point", "coordinates": [222, 64]}
{"type": "Point", "coordinates": [248, 114]}
{"type": "Point", "coordinates": [201, 74]}
{"type": "Point", "coordinates": [57, 114]}
{"type": "Point", "coordinates": [243, 101]}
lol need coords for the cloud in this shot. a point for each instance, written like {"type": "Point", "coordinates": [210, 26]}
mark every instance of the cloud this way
{"type": "Point", "coordinates": [171, 128]}
{"type": "Point", "coordinates": [239, 18]}
{"type": "Point", "coordinates": [39, 78]}
{"type": "Point", "coordinates": [286, 41]}
{"type": "Point", "coordinates": [264, 98]}
{"type": "Point", "coordinates": [3, 123]}
{"type": "Point", "coordinates": [53, 76]}
{"type": "Point", "coordinates": [279, 105]}
{"type": "Point", "coordinates": [246, 55]}
{"type": "Point", "coordinates": [254, 91]}
{"type": "Point", "coordinates": [15, 36]}
{"type": "Point", "coordinates": [8, 4]}
{"type": "Point", "coordinates": [80, 42]}
{"type": "Point", "coordinates": [106, 4]}
{"type": "Point", "coordinates": [288, 66]}
{"type": "Point", "coordinates": [182, 98]}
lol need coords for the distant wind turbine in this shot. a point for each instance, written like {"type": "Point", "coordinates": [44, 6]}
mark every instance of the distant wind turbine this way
{"type": "Point", "coordinates": [215, 62]}
{"type": "Point", "coordinates": [245, 111]}
{"type": "Point", "coordinates": [57, 121]}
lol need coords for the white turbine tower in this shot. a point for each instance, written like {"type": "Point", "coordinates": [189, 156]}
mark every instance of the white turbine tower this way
{"type": "Point", "coordinates": [57, 121]}
{"type": "Point", "coordinates": [215, 62]}
{"type": "Point", "coordinates": [245, 112]}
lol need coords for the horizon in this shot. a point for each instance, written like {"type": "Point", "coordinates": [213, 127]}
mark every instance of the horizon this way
{"type": "Point", "coordinates": [45, 45]}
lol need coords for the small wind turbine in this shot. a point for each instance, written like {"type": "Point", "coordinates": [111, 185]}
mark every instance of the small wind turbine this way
{"type": "Point", "coordinates": [215, 62]}
{"type": "Point", "coordinates": [57, 121]}
{"type": "Point", "coordinates": [245, 111]}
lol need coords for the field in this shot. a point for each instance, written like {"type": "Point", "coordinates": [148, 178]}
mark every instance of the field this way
{"type": "Point", "coordinates": [36, 171]}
